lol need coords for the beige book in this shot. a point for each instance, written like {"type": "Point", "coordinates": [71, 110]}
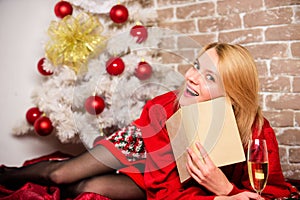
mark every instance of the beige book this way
{"type": "Point", "coordinates": [213, 124]}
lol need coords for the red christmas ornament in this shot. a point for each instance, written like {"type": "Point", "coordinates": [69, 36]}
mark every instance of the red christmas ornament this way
{"type": "Point", "coordinates": [41, 68]}
{"type": "Point", "coordinates": [33, 114]}
{"type": "Point", "coordinates": [140, 32]}
{"type": "Point", "coordinates": [115, 66]}
{"type": "Point", "coordinates": [62, 9]}
{"type": "Point", "coordinates": [118, 13]}
{"type": "Point", "coordinates": [143, 70]}
{"type": "Point", "coordinates": [43, 126]}
{"type": "Point", "coordinates": [94, 105]}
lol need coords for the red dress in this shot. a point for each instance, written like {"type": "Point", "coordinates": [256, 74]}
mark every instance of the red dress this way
{"type": "Point", "coordinates": [160, 177]}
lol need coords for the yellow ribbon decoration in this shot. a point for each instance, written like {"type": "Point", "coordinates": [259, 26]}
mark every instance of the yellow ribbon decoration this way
{"type": "Point", "coordinates": [74, 40]}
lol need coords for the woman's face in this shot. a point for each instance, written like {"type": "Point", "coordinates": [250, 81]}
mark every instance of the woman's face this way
{"type": "Point", "coordinates": [203, 81]}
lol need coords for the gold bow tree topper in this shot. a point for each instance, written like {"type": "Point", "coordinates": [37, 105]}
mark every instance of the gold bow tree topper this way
{"type": "Point", "coordinates": [74, 40]}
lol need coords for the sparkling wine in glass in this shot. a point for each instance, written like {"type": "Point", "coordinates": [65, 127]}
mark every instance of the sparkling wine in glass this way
{"type": "Point", "coordinates": [257, 158]}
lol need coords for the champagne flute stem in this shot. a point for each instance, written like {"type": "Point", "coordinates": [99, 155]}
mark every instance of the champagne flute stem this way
{"type": "Point", "coordinates": [259, 197]}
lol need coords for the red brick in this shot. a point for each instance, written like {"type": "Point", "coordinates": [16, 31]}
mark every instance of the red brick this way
{"type": "Point", "coordinates": [215, 24]}
{"type": "Point", "coordinates": [241, 36]}
{"type": "Point", "coordinates": [295, 48]}
{"type": "Point", "coordinates": [296, 84]}
{"type": "Point", "coordinates": [283, 101]}
{"type": "Point", "coordinates": [275, 84]}
{"type": "Point", "coordinates": [283, 155]}
{"type": "Point", "coordinates": [289, 137]}
{"type": "Point", "coordinates": [183, 57]}
{"type": "Point", "coordinates": [297, 15]}
{"type": "Point", "coordinates": [204, 39]}
{"type": "Point", "coordinates": [268, 51]}
{"type": "Point", "coordinates": [286, 32]}
{"type": "Point", "coordinates": [193, 41]}
{"type": "Point", "coordinates": [271, 17]}
{"type": "Point", "coordinates": [294, 155]}
{"type": "Point", "coordinates": [237, 6]}
{"type": "Point", "coordinates": [278, 3]}
{"type": "Point", "coordinates": [165, 14]}
{"type": "Point", "coordinates": [188, 27]}
{"type": "Point", "coordinates": [280, 118]}
{"type": "Point", "coordinates": [195, 10]}
{"type": "Point", "coordinates": [285, 67]}
{"type": "Point", "coordinates": [262, 67]}
{"type": "Point", "coordinates": [297, 119]}
{"type": "Point", "coordinates": [291, 171]}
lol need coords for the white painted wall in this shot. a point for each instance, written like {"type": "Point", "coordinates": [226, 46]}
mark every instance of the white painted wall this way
{"type": "Point", "coordinates": [23, 27]}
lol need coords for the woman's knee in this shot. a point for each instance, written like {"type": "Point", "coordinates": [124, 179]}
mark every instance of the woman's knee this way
{"type": "Point", "coordinates": [95, 185]}
{"type": "Point", "coordinates": [57, 173]}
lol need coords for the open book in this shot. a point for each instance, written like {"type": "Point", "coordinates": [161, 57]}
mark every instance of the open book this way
{"type": "Point", "coordinates": [212, 123]}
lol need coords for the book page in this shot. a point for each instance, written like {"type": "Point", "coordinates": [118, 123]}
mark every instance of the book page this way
{"type": "Point", "coordinates": [212, 123]}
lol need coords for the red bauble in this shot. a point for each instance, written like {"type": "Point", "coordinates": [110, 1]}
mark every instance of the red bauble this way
{"type": "Point", "coordinates": [41, 68]}
{"type": "Point", "coordinates": [115, 66]}
{"type": "Point", "coordinates": [143, 70]}
{"type": "Point", "coordinates": [62, 9]}
{"type": "Point", "coordinates": [33, 114]}
{"type": "Point", "coordinates": [118, 13]}
{"type": "Point", "coordinates": [94, 105]}
{"type": "Point", "coordinates": [43, 126]}
{"type": "Point", "coordinates": [140, 32]}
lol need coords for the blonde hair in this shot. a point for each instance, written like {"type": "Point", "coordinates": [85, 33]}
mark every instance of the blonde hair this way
{"type": "Point", "coordinates": [239, 75]}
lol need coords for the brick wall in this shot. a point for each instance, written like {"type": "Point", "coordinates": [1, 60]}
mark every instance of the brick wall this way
{"type": "Point", "coordinates": [270, 29]}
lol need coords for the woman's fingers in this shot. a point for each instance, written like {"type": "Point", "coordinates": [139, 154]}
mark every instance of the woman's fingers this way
{"type": "Point", "coordinates": [204, 154]}
{"type": "Point", "coordinates": [195, 165]}
{"type": "Point", "coordinates": [195, 158]}
{"type": "Point", "coordinates": [199, 165]}
{"type": "Point", "coordinates": [192, 170]}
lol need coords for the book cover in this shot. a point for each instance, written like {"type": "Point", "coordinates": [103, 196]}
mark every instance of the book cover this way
{"type": "Point", "coordinates": [213, 124]}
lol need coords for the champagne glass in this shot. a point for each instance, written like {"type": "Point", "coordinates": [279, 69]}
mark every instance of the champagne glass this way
{"type": "Point", "coordinates": [257, 158]}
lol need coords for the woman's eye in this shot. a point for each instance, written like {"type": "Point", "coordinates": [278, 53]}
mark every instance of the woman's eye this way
{"type": "Point", "coordinates": [210, 77]}
{"type": "Point", "coordinates": [196, 66]}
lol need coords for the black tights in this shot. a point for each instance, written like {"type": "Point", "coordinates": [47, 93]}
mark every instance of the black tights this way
{"type": "Point", "coordinates": [92, 171]}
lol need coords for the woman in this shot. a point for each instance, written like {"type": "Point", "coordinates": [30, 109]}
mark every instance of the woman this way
{"type": "Point", "coordinates": [221, 69]}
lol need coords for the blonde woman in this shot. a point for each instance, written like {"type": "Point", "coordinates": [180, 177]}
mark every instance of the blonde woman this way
{"type": "Point", "coordinates": [142, 155]}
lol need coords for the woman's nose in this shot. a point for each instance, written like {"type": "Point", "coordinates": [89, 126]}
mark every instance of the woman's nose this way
{"type": "Point", "coordinates": [193, 75]}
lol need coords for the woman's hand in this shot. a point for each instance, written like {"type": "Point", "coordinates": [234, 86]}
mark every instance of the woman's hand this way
{"type": "Point", "coordinates": [205, 172]}
{"type": "Point", "coordinates": [240, 196]}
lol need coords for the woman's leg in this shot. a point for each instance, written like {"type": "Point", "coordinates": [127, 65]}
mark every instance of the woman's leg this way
{"type": "Point", "coordinates": [113, 186]}
{"type": "Point", "coordinates": [97, 161]}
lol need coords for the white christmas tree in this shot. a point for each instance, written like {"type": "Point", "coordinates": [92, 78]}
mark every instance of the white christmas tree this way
{"type": "Point", "coordinates": [81, 46]}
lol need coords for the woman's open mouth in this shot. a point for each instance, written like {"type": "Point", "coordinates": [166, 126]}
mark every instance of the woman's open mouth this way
{"type": "Point", "coordinates": [189, 91]}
